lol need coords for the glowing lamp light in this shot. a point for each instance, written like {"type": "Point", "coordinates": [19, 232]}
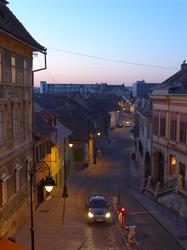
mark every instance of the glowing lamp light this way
{"type": "Point", "coordinates": [70, 145]}
{"type": "Point", "coordinates": [49, 183]}
{"type": "Point", "coordinates": [49, 188]}
{"type": "Point", "coordinates": [98, 133]}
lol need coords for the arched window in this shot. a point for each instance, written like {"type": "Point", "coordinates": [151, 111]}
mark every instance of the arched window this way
{"type": "Point", "coordinates": [4, 188]}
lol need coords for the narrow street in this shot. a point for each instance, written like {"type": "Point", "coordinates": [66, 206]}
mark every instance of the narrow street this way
{"type": "Point", "coordinates": [61, 224]}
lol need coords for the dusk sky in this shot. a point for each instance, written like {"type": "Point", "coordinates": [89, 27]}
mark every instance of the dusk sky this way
{"type": "Point", "coordinates": [139, 32]}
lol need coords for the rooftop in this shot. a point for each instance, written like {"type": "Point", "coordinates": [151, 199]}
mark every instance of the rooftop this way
{"type": "Point", "coordinates": [9, 24]}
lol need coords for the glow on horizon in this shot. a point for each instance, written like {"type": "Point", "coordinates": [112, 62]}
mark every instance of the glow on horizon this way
{"type": "Point", "coordinates": [145, 32]}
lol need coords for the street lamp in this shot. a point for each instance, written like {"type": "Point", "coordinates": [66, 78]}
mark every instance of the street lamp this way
{"type": "Point", "coordinates": [49, 183]}
{"type": "Point", "coordinates": [98, 143]}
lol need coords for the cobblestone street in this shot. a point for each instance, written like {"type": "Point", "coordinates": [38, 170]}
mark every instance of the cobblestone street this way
{"type": "Point", "coordinates": [60, 223]}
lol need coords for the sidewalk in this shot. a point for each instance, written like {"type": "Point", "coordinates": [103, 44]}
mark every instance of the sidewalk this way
{"type": "Point", "coordinates": [175, 227]}
{"type": "Point", "coordinates": [58, 212]}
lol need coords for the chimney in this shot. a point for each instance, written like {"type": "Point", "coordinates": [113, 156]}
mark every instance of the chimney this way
{"type": "Point", "coordinates": [184, 65]}
{"type": "Point", "coordinates": [4, 2]}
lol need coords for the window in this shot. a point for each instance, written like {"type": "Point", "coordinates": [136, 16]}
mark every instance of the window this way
{"type": "Point", "coordinates": [27, 119]}
{"type": "Point", "coordinates": [2, 127]}
{"type": "Point", "coordinates": [173, 164]}
{"type": "Point", "coordinates": [15, 122]}
{"type": "Point", "coordinates": [25, 73]}
{"type": "Point", "coordinates": [182, 173]}
{"type": "Point", "coordinates": [4, 188]}
{"type": "Point", "coordinates": [173, 129]}
{"type": "Point", "coordinates": [1, 67]}
{"type": "Point", "coordinates": [162, 126]}
{"type": "Point", "coordinates": [17, 178]}
{"type": "Point", "coordinates": [28, 168]}
{"type": "Point", "coordinates": [21, 121]}
{"type": "Point", "coordinates": [155, 125]}
{"type": "Point", "coordinates": [182, 135]}
{"type": "Point", "coordinates": [13, 69]}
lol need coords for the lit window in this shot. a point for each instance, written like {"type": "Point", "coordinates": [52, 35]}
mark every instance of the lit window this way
{"type": "Point", "coordinates": [173, 164]}
{"type": "Point", "coordinates": [2, 127]}
{"type": "Point", "coordinates": [13, 69]}
{"type": "Point", "coordinates": [4, 188]}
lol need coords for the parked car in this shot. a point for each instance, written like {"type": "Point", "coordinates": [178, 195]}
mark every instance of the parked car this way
{"type": "Point", "coordinates": [97, 210]}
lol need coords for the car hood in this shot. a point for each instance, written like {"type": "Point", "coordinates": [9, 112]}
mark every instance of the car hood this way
{"type": "Point", "coordinates": [98, 211]}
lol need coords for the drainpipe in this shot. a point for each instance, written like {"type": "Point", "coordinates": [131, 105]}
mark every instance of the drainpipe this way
{"type": "Point", "coordinates": [33, 71]}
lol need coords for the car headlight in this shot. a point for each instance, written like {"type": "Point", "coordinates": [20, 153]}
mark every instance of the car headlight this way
{"type": "Point", "coordinates": [107, 215]}
{"type": "Point", "coordinates": [90, 215]}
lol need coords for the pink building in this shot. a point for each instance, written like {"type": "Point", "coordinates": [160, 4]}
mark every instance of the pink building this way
{"type": "Point", "coordinates": [169, 142]}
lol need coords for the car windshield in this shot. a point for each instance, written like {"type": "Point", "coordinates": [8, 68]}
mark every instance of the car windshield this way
{"type": "Point", "coordinates": [98, 203]}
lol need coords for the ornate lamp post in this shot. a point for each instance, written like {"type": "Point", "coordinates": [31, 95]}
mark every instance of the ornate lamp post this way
{"type": "Point", "coordinates": [98, 143]}
{"type": "Point", "coordinates": [49, 183]}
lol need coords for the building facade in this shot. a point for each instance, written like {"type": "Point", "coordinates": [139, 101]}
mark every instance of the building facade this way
{"type": "Point", "coordinates": [169, 147]}
{"type": "Point", "coordinates": [16, 144]}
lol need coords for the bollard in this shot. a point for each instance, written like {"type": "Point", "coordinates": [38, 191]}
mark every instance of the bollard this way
{"type": "Point", "coordinates": [131, 234]}
{"type": "Point", "coordinates": [122, 213]}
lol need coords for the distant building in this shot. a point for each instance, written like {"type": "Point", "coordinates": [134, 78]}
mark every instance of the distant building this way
{"type": "Point", "coordinates": [130, 89]}
{"type": "Point", "coordinates": [84, 89]}
{"type": "Point", "coordinates": [141, 88]}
